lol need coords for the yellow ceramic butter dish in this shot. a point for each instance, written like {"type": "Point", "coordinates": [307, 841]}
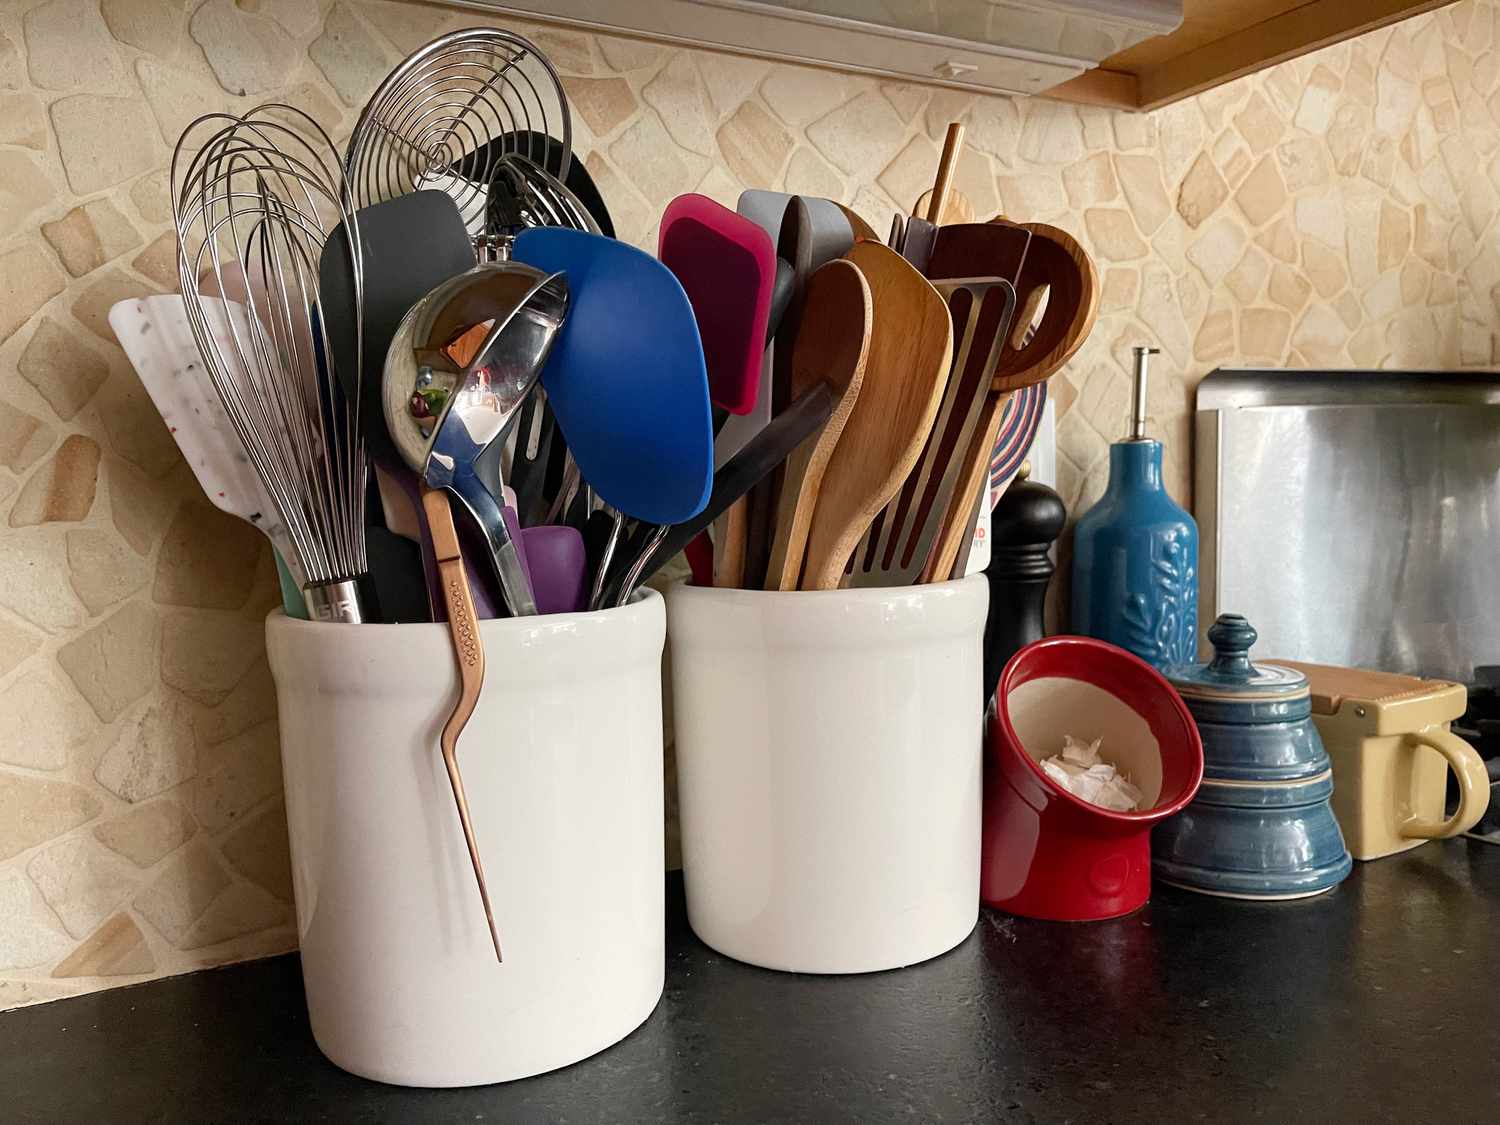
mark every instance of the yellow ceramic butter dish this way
{"type": "Point", "coordinates": [1388, 737]}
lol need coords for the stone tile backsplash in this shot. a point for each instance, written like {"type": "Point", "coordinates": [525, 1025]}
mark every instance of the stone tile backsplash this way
{"type": "Point", "coordinates": [1337, 210]}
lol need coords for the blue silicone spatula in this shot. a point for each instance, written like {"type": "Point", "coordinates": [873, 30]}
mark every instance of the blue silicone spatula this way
{"type": "Point", "coordinates": [626, 375]}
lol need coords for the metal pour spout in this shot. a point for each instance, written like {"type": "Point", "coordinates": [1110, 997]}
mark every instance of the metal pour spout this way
{"type": "Point", "coordinates": [1138, 399]}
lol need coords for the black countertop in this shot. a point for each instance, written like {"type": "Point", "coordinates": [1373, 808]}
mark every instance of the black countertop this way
{"type": "Point", "coordinates": [1374, 1003]}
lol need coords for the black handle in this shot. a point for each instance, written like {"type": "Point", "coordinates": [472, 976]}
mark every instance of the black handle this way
{"type": "Point", "coordinates": [763, 453]}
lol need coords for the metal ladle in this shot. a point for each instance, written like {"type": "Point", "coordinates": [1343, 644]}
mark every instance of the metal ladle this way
{"type": "Point", "coordinates": [443, 413]}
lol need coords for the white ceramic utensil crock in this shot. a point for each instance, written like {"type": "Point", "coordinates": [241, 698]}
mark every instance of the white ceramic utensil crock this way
{"type": "Point", "coordinates": [828, 771]}
{"type": "Point", "coordinates": [562, 761]}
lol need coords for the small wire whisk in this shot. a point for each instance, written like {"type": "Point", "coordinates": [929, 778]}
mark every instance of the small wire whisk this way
{"type": "Point", "coordinates": [254, 198]}
{"type": "Point", "coordinates": [468, 107]}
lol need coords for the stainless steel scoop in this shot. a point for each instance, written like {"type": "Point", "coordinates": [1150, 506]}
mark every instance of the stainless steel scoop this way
{"type": "Point", "coordinates": [443, 408]}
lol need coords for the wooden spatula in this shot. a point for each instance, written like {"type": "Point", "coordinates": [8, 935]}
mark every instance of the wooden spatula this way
{"type": "Point", "coordinates": [906, 369]}
{"type": "Point", "coordinates": [838, 302]}
{"type": "Point", "coordinates": [965, 250]}
{"type": "Point", "coordinates": [1056, 262]}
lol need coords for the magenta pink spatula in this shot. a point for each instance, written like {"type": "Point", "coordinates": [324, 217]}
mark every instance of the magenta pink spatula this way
{"type": "Point", "coordinates": [727, 266]}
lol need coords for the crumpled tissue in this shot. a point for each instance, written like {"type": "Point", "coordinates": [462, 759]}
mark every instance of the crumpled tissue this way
{"type": "Point", "coordinates": [1081, 771]}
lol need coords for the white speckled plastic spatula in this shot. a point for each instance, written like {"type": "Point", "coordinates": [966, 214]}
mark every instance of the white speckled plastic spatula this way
{"type": "Point", "coordinates": [158, 340]}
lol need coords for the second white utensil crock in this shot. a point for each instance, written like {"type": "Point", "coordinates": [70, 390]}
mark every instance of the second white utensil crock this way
{"type": "Point", "coordinates": [828, 771]}
{"type": "Point", "coordinates": [562, 762]}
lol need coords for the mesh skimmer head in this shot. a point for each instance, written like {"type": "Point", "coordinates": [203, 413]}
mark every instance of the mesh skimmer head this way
{"type": "Point", "coordinates": [449, 115]}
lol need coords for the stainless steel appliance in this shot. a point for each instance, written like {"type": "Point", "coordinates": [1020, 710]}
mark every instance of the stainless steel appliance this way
{"type": "Point", "coordinates": [1354, 515]}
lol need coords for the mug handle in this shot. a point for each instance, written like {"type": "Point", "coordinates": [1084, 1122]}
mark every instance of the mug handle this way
{"type": "Point", "coordinates": [1473, 786]}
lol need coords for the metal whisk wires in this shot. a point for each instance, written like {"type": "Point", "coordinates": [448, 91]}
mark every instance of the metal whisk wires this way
{"type": "Point", "coordinates": [449, 116]}
{"type": "Point", "coordinates": [254, 198]}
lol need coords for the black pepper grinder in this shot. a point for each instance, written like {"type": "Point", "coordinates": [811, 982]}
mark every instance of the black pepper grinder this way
{"type": "Point", "coordinates": [1026, 522]}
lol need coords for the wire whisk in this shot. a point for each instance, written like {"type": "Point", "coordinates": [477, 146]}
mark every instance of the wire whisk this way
{"type": "Point", "coordinates": [467, 109]}
{"type": "Point", "coordinates": [254, 198]}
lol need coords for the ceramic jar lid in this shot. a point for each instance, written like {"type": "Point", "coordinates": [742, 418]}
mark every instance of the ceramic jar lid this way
{"type": "Point", "coordinates": [1255, 718]}
{"type": "Point", "coordinates": [1230, 689]}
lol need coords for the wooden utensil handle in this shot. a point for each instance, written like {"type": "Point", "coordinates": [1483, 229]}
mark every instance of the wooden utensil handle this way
{"type": "Point", "coordinates": [468, 649]}
{"type": "Point", "coordinates": [729, 545]}
{"type": "Point", "coordinates": [794, 509]}
{"type": "Point", "coordinates": [973, 474]}
{"type": "Point", "coordinates": [947, 165]}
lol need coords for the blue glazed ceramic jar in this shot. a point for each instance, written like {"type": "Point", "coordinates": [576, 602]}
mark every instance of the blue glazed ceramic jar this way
{"type": "Point", "coordinates": [1261, 826]}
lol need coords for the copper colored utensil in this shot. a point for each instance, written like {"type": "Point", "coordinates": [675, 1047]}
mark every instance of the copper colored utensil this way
{"type": "Point", "coordinates": [468, 648]}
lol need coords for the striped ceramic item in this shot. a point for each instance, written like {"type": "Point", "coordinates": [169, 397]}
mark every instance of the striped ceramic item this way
{"type": "Point", "coordinates": [1019, 422]}
{"type": "Point", "coordinates": [1018, 426]}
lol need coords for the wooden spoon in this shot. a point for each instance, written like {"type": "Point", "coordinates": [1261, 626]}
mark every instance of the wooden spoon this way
{"type": "Point", "coordinates": [468, 648]}
{"type": "Point", "coordinates": [906, 370]}
{"type": "Point", "coordinates": [838, 302]}
{"type": "Point", "coordinates": [1054, 260]}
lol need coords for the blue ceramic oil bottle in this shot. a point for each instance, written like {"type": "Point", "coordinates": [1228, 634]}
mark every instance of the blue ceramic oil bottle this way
{"type": "Point", "coordinates": [1135, 553]}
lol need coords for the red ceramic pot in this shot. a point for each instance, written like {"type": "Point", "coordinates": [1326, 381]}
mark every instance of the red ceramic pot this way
{"type": "Point", "coordinates": [1047, 853]}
